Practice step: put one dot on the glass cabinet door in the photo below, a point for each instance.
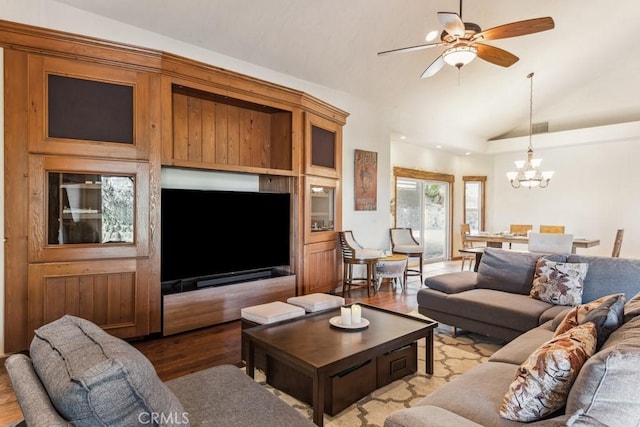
(322, 208)
(90, 208)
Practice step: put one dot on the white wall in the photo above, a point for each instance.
(595, 191)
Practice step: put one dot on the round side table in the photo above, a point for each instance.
(392, 267)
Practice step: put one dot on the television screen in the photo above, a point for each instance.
(207, 233)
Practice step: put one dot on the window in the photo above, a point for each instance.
(473, 203)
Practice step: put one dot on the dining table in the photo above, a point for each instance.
(497, 240)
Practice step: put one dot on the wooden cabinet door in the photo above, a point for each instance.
(113, 294)
(321, 267)
(323, 147)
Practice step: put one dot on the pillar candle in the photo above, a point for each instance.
(345, 315)
(356, 313)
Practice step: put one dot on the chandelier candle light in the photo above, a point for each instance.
(528, 174)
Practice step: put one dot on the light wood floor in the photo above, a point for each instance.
(192, 351)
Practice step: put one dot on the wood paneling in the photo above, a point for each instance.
(16, 105)
(209, 306)
(212, 133)
(112, 294)
(321, 267)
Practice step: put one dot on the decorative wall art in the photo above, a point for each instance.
(366, 180)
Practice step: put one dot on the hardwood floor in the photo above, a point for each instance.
(192, 351)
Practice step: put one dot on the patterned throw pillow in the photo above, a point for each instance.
(543, 381)
(559, 283)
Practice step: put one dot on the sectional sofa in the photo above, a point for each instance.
(590, 351)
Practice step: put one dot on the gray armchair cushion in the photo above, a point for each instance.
(36, 406)
(93, 378)
(509, 271)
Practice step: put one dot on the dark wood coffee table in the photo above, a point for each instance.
(312, 346)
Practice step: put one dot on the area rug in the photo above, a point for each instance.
(452, 357)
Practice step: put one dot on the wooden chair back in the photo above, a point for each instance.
(465, 230)
(348, 244)
(617, 244)
(558, 229)
(520, 229)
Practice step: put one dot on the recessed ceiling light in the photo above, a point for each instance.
(438, 146)
(403, 137)
(431, 35)
(467, 153)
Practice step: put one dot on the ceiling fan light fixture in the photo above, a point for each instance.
(459, 56)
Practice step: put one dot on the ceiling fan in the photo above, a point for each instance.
(463, 41)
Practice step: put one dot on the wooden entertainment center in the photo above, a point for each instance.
(172, 112)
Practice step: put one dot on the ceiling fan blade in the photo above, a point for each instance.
(495, 55)
(411, 48)
(451, 23)
(433, 68)
(516, 29)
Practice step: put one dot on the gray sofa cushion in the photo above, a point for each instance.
(606, 390)
(518, 350)
(518, 311)
(609, 276)
(226, 396)
(509, 271)
(93, 378)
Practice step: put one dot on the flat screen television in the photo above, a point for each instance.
(211, 237)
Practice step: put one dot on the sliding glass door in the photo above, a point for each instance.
(423, 205)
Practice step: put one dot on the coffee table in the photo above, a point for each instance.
(312, 346)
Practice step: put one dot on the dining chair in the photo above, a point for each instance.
(465, 230)
(617, 244)
(552, 243)
(559, 229)
(519, 230)
(403, 243)
(353, 253)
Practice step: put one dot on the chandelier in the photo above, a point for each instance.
(528, 174)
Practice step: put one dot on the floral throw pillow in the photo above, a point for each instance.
(559, 283)
(542, 383)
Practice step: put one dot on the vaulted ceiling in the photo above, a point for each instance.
(587, 69)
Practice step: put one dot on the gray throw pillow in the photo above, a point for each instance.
(632, 308)
(93, 378)
(607, 317)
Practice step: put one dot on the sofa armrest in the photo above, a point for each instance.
(426, 416)
(34, 401)
(452, 283)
